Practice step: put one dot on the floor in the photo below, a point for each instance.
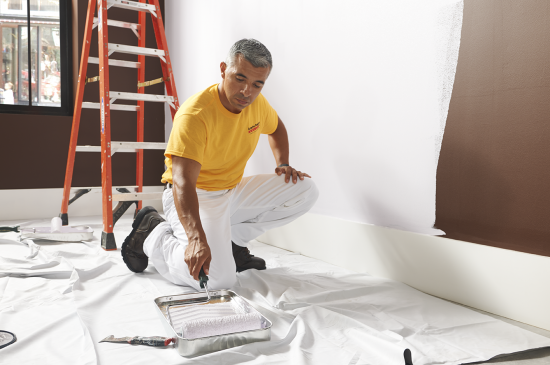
(321, 314)
(532, 357)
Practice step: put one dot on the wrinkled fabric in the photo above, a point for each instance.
(321, 314)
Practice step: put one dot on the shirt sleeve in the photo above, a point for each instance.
(271, 120)
(187, 139)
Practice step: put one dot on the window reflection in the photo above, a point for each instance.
(10, 60)
(44, 80)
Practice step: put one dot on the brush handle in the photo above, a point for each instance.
(11, 229)
(150, 341)
(203, 279)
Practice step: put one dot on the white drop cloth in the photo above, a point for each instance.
(321, 314)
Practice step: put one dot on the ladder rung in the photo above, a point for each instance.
(137, 196)
(140, 97)
(139, 145)
(119, 63)
(119, 24)
(130, 108)
(132, 5)
(123, 48)
(125, 147)
(97, 189)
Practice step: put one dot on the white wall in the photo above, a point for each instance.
(30, 204)
(362, 86)
(507, 283)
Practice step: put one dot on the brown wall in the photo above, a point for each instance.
(34, 148)
(493, 179)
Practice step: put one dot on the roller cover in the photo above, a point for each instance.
(207, 327)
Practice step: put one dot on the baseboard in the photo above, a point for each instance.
(29, 204)
(507, 283)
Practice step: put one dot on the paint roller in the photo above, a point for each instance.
(214, 319)
(56, 232)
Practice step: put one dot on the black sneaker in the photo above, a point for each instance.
(132, 248)
(244, 260)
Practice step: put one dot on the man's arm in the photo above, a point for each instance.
(185, 173)
(278, 141)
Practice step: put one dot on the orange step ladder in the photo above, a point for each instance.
(106, 102)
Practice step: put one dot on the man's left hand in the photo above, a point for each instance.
(290, 171)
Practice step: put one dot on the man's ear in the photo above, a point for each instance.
(223, 67)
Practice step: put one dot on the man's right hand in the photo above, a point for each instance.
(197, 256)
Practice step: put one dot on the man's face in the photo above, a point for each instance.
(242, 83)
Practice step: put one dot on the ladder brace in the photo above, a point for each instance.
(92, 79)
(152, 82)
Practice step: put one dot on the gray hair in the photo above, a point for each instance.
(253, 51)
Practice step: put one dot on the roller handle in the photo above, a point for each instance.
(203, 279)
(408, 357)
(150, 341)
(16, 229)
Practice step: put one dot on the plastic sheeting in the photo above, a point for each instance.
(61, 299)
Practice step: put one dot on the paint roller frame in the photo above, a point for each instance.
(194, 347)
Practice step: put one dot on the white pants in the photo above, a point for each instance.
(257, 204)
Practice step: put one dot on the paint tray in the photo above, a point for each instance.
(168, 305)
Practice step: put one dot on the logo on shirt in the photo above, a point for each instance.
(254, 128)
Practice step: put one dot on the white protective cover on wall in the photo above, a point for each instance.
(363, 88)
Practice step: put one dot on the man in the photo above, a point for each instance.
(211, 211)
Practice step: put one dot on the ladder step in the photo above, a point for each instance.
(132, 5)
(125, 147)
(137, 196)
(97, 189)
(119, 63)
(130, 108)
(123, 48)
(139, 145)
(139, 97)
(119, 24)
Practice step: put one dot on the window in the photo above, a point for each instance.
(35, 57)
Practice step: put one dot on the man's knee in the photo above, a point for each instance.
(311, 191)
(314, 191)
(304, 195)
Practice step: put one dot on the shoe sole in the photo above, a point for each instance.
(241, 269)
(124, 250)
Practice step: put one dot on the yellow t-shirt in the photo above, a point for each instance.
(221, 141)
